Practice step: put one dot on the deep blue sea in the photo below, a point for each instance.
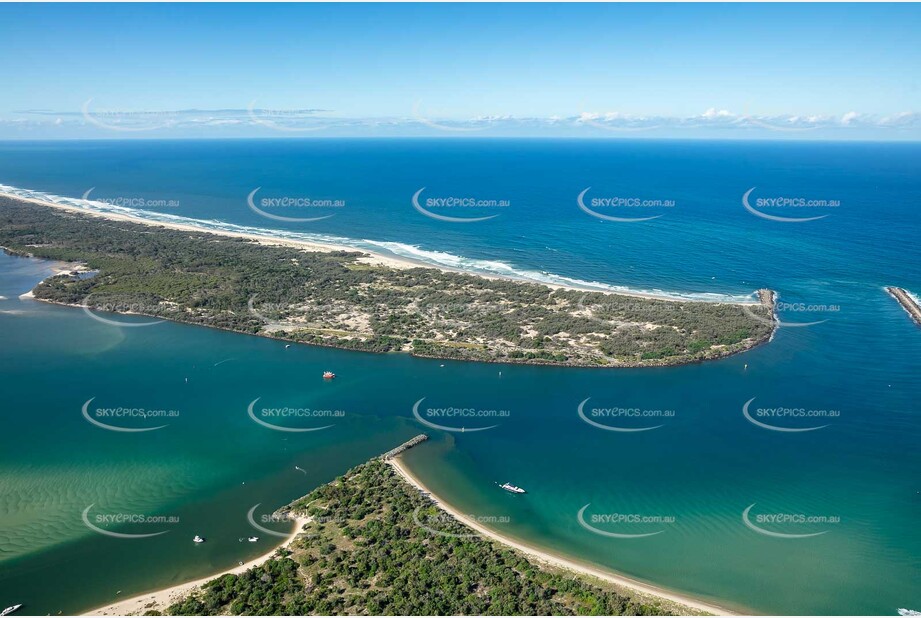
(854, 484)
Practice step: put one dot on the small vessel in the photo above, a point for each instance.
(512, 488)
(198, 539)
(287, 345)
(9, 610)
(902, 612)
(253, 539)
(328, 375)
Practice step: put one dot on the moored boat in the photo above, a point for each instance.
(198, 539)
(512, 488)
(9, 610)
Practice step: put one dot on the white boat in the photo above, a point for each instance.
(253, 539)
(902, 612)
(198, 539)
(512, 488)
(9, 610)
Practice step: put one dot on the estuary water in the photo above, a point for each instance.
(710, 499)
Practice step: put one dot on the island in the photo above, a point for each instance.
(321, 295)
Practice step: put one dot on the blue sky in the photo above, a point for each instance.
(659, 70)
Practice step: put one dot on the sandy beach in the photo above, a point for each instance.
(161, 599)
(371, 257)
(554, 560)
(59, 268)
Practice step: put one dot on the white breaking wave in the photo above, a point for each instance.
(397, 249)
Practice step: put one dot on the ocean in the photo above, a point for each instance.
(713, 501)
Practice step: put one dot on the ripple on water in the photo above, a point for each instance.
(42, 504)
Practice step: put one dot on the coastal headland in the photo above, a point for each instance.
(376, 541)
(909, 304)
(334, 296)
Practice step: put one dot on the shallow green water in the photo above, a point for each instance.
(703, 467)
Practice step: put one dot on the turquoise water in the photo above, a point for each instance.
(695, 475)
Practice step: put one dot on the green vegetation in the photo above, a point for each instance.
(336, 299)
(363, 553)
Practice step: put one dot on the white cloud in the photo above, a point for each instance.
(713, 113)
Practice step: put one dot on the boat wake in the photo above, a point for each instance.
(397, 249)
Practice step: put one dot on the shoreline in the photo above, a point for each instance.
(723, 354)
(764, 297)
(370, 257)
(163, 598)
(549, 558)
(75, 267)
(58, 269)
(908, 303)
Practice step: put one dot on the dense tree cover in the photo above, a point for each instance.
(364, 553)
(337, 299)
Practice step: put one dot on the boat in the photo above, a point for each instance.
(253, 539)
(328, 375)
(198, 539)
(512, 488)
(9, 610)
(902, 612)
